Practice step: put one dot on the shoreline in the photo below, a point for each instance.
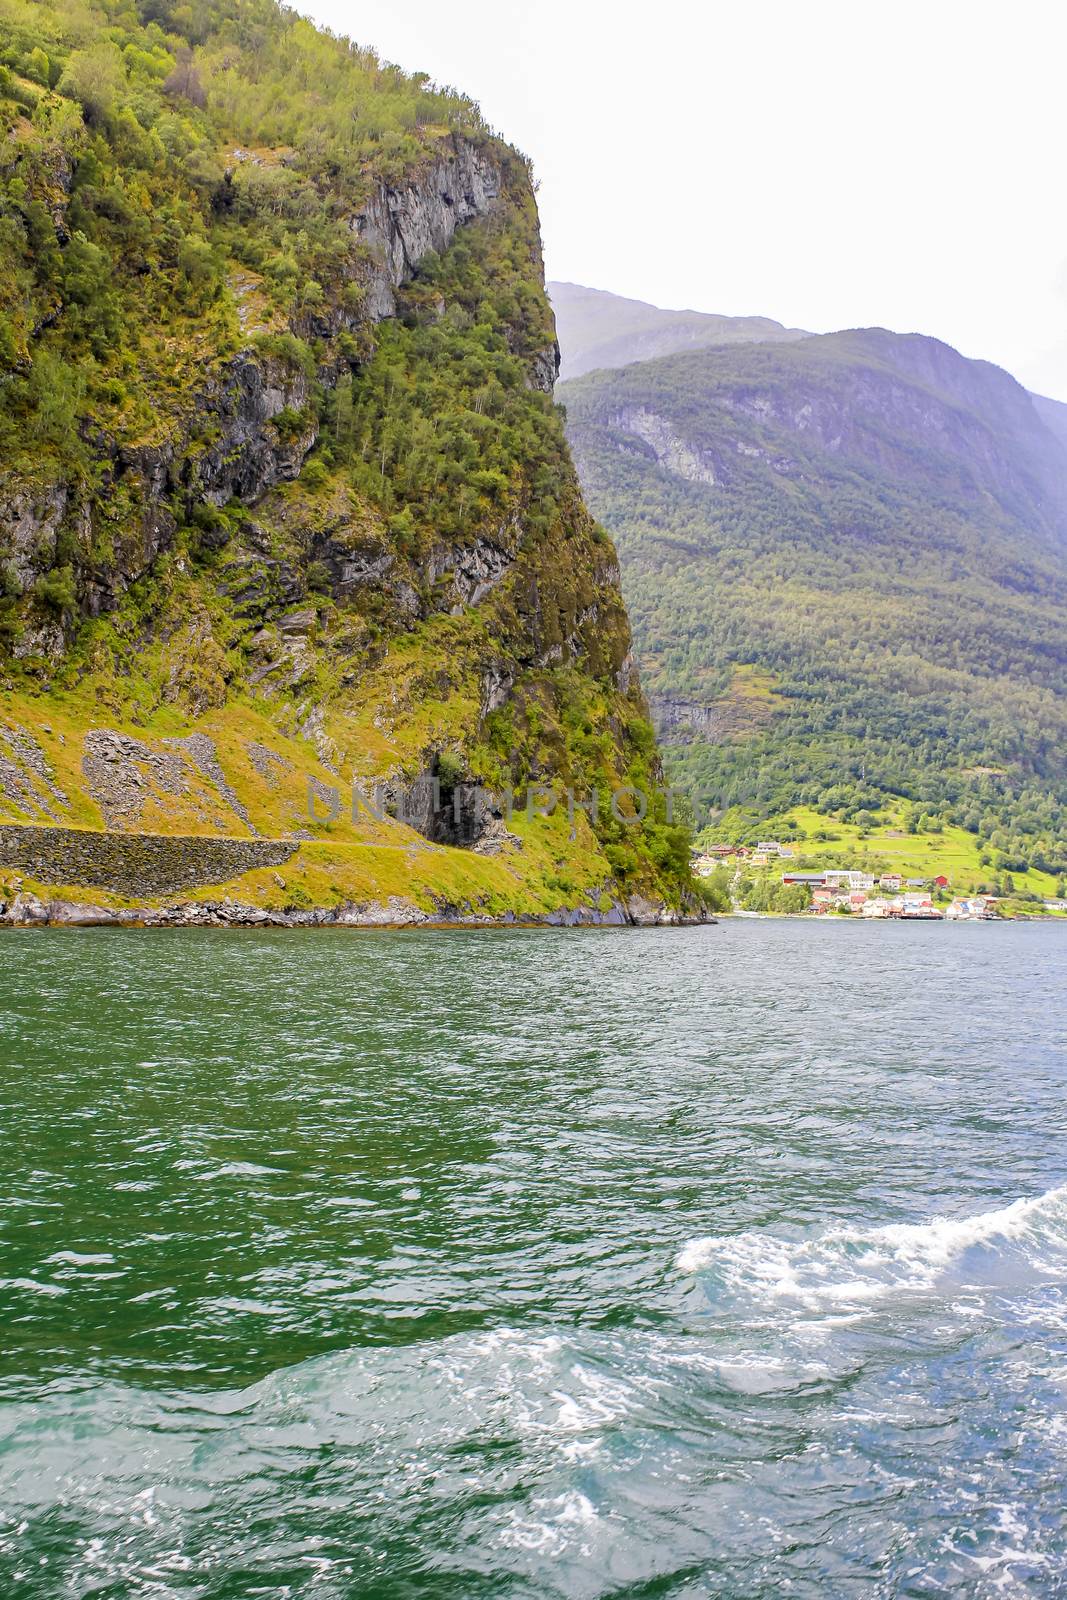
(30, 911)
(78, 877)
(808, 916)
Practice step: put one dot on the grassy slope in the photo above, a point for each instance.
(347, 858)
(884, 847)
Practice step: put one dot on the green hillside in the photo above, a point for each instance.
(846, 566)
(280, 463)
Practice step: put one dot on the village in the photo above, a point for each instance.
(852, 892)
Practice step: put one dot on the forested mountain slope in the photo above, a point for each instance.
(846, 565)
(282, 488)
(1053, 414)
(597, 329)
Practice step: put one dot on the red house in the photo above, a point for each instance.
(941, 882)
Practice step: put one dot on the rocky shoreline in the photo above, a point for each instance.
(27, 910)
(158, 876)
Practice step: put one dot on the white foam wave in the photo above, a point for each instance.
(32, 1286)
(235, 1169)
(73, 1258)
(850, 1266)
(551, 1524)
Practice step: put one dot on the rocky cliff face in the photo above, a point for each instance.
(292, 454)
(226, 444)
(402, 225)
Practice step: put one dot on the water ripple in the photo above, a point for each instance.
(728, 1262)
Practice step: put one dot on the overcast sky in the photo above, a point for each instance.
(830, 164)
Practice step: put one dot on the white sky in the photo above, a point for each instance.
(827, 163)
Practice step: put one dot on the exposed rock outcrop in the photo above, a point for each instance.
(27, 910)
(401, 225)
(123, 773)
(31, 519)
(201, 751)
(672, 451)
(251, 425)
(26, 779)
(250, 455)
(474, 570)
(678, 720)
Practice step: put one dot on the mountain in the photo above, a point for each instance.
(597, 329)
(1053, 414)
(284, 500)
(846, 564)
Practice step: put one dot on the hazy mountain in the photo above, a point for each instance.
(846, 565)
(597, 329)
(1053, 414)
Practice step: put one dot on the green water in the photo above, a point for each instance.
(710, 1262)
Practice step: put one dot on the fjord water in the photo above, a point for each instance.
(709, 1262)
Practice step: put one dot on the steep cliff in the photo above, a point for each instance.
(283, 494)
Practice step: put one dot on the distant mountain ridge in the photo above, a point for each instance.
(845, 558)
(598, 329)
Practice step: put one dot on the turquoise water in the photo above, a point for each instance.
(711, 1262)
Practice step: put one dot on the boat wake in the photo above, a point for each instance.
(845, 1267)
